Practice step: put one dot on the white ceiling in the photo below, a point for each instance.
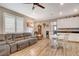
(51, 10)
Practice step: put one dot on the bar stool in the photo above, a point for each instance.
(65, 44)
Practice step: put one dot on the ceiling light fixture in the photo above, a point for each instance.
(75, 10)
(61, 4)
(60, 13)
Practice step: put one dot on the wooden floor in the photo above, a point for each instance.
(43, 48)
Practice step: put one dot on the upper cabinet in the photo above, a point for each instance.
(9, 23)
(68, 23)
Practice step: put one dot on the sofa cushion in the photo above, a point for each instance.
(2, 37)
(27, 35)
(9, 38)
(22, 44)
(18, 37)
(32, 41)
(4, 50)
(2, 42)
(13, 47)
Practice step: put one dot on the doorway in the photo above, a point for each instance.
(47, 34)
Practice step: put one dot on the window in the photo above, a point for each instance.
(9, 21)
(29, 30)
(19, 25)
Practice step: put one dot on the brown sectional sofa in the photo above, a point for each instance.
(32, 39)
(10, 43)
(21, 42)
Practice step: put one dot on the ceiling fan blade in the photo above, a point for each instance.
(27, 3)
(39, 5)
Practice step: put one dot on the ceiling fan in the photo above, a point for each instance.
(36, 4)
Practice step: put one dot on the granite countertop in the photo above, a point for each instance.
(73, 41)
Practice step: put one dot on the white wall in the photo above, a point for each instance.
(1, 23)
(30, 28)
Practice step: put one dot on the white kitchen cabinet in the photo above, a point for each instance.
(68, 22)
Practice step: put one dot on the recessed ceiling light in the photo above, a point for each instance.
(75, 10)
(60, 13)
(61, 4)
